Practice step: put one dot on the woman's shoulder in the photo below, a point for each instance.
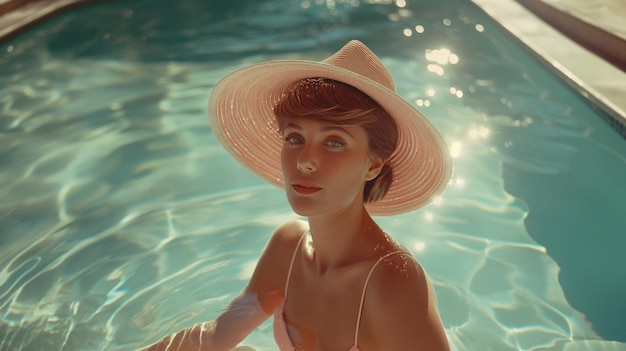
(399, 270)
(288, 234)
(394, 264)
(273, 265)
(401, 293)
(398, 282)
(283, 243)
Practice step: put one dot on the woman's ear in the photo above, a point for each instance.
(376, 165)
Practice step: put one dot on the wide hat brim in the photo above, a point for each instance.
(242, 119)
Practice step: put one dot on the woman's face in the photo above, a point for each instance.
(325, 166)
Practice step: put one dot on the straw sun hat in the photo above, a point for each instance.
(242, 119)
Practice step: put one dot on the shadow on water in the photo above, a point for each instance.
(566, 163)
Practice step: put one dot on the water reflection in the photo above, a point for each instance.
(440, 57)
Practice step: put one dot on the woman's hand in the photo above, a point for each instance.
(241, 316)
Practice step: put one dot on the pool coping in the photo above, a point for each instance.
(600, 31)
(590, 73)
(18, 16)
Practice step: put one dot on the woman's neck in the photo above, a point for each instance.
(342, 239)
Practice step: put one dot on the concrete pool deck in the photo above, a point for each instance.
(584, 41)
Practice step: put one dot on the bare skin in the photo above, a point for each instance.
(325, 170)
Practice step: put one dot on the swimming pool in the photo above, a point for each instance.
(122, 218)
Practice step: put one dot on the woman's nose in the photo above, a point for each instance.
(307, 160)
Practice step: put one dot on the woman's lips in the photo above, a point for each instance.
(305, 189)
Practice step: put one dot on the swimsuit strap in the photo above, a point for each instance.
(293, 258)
(367, 280)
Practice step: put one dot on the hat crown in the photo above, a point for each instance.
(358, 58)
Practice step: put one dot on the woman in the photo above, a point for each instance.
(344, 146)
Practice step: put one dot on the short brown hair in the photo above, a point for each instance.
(334, 102)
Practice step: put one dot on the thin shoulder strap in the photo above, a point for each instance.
(293, 258)
(367, 280)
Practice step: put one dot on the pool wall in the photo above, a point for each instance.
(590, 73)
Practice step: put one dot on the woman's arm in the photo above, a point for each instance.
(241, 316)
(248, 310)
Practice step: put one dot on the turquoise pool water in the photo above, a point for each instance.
(122, 219)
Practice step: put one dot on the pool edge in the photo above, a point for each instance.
(21, 15)
(591, 75)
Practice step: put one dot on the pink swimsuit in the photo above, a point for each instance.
(281, 333)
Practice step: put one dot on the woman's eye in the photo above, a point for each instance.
(335, 143)
(293, 139)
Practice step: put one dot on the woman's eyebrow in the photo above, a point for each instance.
(324, 129)
(293, 126)
(336, 128)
